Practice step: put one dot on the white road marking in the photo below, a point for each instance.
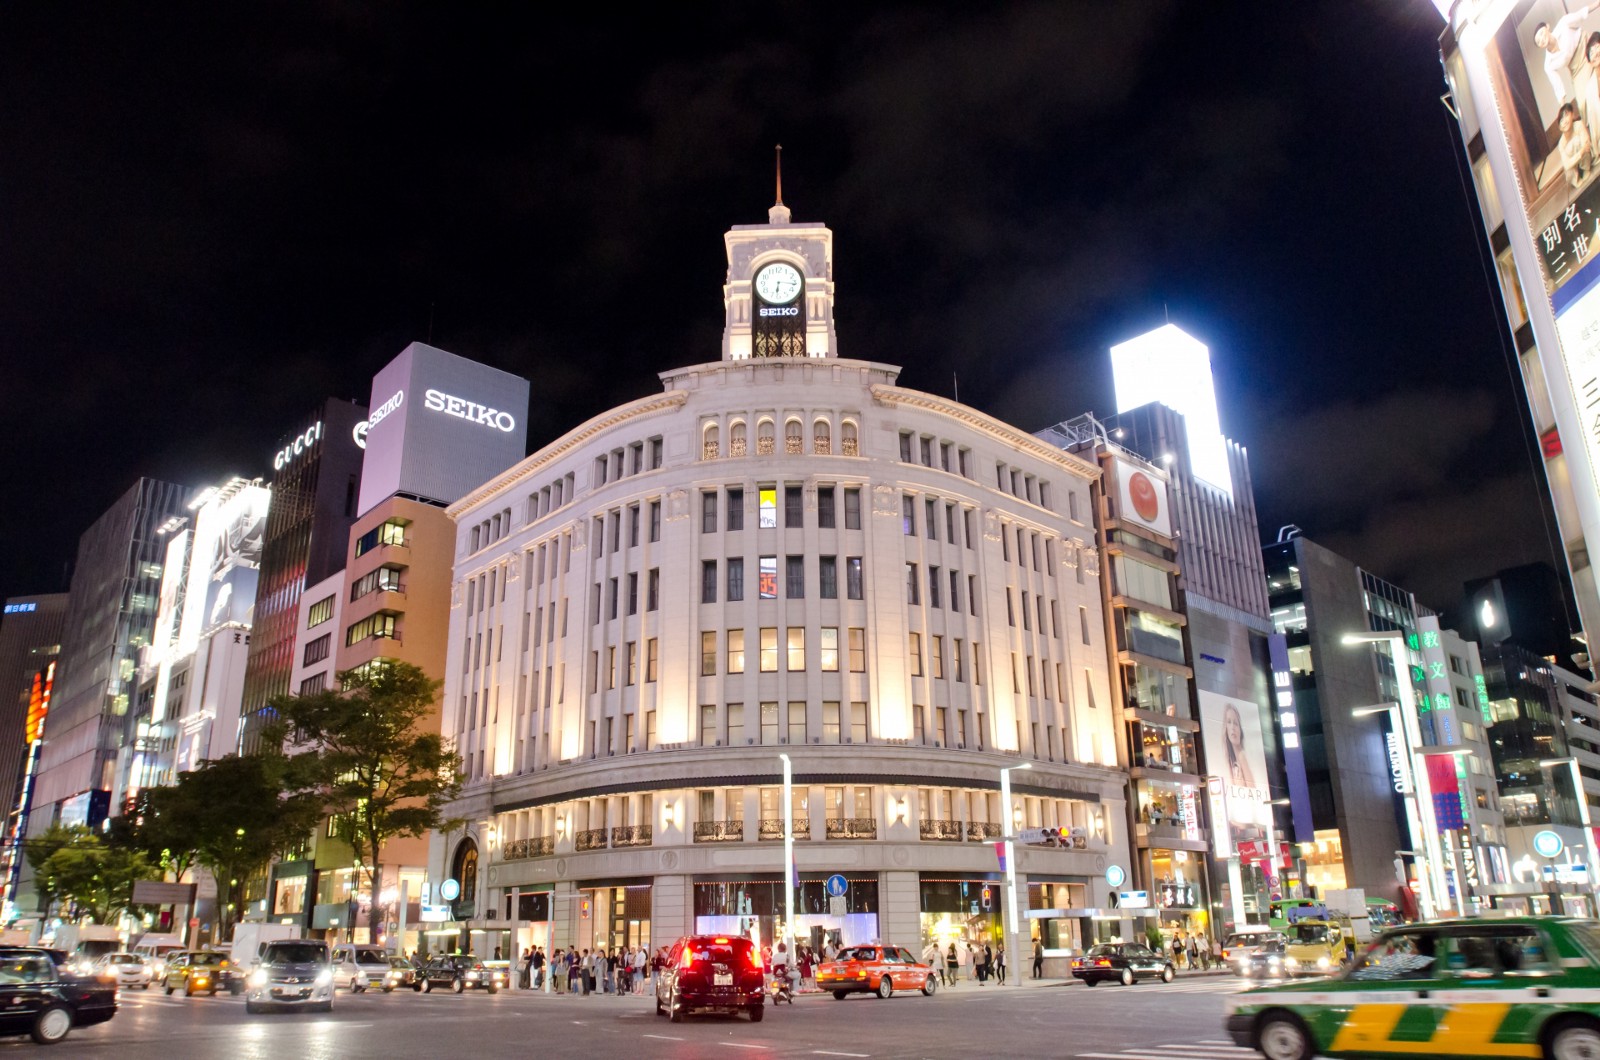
(664, 1037)
(743, 1045)
(830, 1052)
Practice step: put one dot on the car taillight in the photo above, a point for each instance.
(1224, 954)
(687, 960)
(755, 958)
(1102, 963)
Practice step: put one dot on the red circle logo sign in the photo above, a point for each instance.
(1146, 502)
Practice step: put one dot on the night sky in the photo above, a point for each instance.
(213, 217)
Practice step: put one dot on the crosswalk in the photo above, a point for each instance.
(1210, 1049)
(1209, 984)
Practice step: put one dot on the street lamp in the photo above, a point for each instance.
(1583, 812)
(1009, 928)
(788, 852)
(1422, 821)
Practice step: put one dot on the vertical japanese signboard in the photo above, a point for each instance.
(1294, 758)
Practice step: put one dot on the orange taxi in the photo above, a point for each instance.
(876, 969)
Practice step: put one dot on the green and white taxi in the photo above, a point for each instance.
(1494, 987)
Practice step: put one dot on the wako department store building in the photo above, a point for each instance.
(782, 552)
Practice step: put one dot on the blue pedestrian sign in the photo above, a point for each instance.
(837, 885)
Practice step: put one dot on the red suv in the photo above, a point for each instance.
(711, 972)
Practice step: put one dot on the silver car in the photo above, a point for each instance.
(128, 969)
(292, 973)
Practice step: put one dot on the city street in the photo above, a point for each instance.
(1180, 1021)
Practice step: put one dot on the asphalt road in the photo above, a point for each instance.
(1151, 1021)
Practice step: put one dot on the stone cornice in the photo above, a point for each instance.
(1003, 433)
(562, 446)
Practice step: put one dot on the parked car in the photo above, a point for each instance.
(401, 972)
(712, 973)
(358, 967)
(199, 972)
(292, 973)
(458, 972)
(37, 998)
(1122, 962)
(124, 969)
(875, 969)
(1518, 986)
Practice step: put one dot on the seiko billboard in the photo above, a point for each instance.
(441, 425)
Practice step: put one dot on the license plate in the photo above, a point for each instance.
(722, 979)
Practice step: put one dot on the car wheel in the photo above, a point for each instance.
(885, 987)
(388, 989)
(838, 995)
(1282, 1037)
(674, 1013)
(169, 989)
(427, 986)
(51, 1025)
(1574, 1040)
(252, 1008)
(758, 1012)
(492, 989)
(1090, 982)
(326, 1006)
(659, 1010)
(929, 986)
(458, 986)
(1127, 977)
(1167, 974)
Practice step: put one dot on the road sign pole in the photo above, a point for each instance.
(1008, 924)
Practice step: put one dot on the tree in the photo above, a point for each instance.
(374, 758)
(232, 815)
(158, 826)
(73, 864)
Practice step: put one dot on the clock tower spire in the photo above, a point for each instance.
(778, 298)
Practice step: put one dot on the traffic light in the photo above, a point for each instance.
(987, 897)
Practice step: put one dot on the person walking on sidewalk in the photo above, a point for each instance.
(1000, 964)
(1038, 959)
(953, 964)
(935, 960)
(1194, 953)
(1177, 949)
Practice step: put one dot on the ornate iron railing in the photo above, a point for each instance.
(719, 831)
(536, 847)
(852, 828)
(631, 835)
(772, 828)
(590, 839)
(944, 831)
(977, 831)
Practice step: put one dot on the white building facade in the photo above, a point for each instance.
(783, 552)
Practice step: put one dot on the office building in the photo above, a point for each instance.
(782, 553)
(111, 616)
(316, 478)
(1368, 805)
(30, 641)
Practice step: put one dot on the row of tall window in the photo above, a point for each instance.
(624, 591)
(628, 460)
(1027, 487)
(935, 452)
(794, 578)
(731, 501)
(639, 520)
(621, 665)
(780, 723)
(955, 516)
(546, 499)
(390, 532)
(380, 625)
(965, 660)
(791, 650)
(794, 438)
(491, 530)
(935, 584)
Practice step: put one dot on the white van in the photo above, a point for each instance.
(357, 966)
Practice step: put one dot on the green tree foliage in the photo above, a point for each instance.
(73, 865)
(372, 754)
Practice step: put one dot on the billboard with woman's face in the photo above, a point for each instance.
(1231, 733)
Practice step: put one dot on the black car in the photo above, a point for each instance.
(401, 973)
(37, 998)
(459, 972)
(1122, 962)
(711, 972)
(1267, 962)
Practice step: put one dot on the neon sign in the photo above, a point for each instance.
(301, 442)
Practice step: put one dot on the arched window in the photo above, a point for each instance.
(736, 439)
(709, 451)
(821, 438)
(847, 439)
(793, 438)
(764, 439)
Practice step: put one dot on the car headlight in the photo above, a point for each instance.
(472, 975)
(258, 977)
(325, 977)
(1292, 962)
(1323, 962)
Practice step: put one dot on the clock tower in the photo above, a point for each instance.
(778, 297)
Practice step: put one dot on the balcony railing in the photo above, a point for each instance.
(709, 451)
(719, 831)
(978, 831)
(852, 828)
(943, 831)
(536, 847)
(772, 828)
(590, 839)
(631, 835)
(737, 447)
(847, 447)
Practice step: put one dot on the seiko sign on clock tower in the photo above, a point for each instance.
(779, 294)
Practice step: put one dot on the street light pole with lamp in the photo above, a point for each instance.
(1583, 817)
(1009, 928)
(788, 853)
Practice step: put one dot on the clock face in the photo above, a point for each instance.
(778, 283)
